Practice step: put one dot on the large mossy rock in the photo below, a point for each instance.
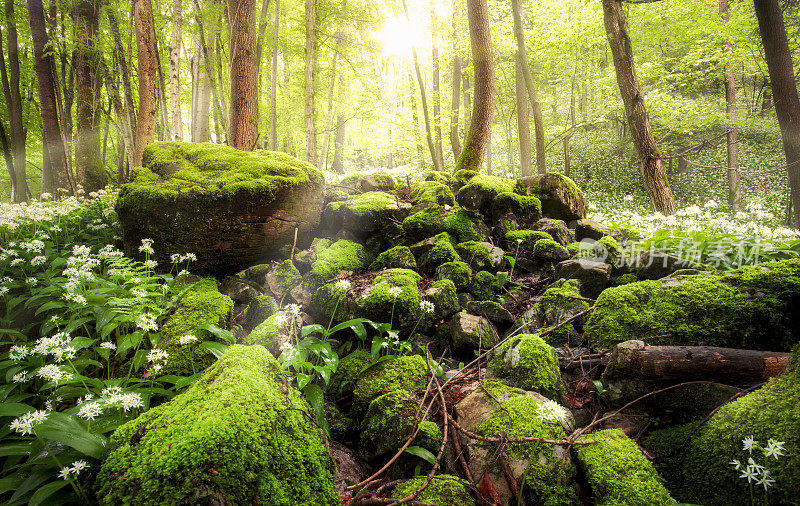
(481, 190)
(366, 213)
(530, 364)
(443, 490)
(231, 208)
(752, 307)
(561, 199)
(239, 435)
(697, 461)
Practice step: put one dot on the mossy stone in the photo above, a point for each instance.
(457, 272)
(378, 304)
(397, 257)
(511, 210)
(432, 192)
(343, 380)
(403, 374)
(444, 490)
(548, 250)
(530, 364)
(389, 422)
(441, 252)
(462, 224)
(261, 308)
(485, 286)
(340, 256)
(481, 190)
(438, 176)
(560, 196)
(217, 443)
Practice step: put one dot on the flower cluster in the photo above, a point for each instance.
(77, 467)
(26, 423)
(111, 397)
(551, 412)
(754, 472)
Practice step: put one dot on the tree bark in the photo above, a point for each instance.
(332, 87)
(538, 122)
(55, 179)
(124, 128)
(734, 183)
(437, 95)
(338, 150)
(480, 127)
(11, 90)
(146, 50)
(175, 68)
(455, 103)
(243, 109)
(201, 94)
(415, 118)
(273, 96)
(523, 120)
(650, 164)
(784, 93)
(310, 73)
(124, 65)
(207, 70)
(88, 83)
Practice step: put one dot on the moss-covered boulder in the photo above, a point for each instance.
(557, 229)
(282, 278)
(481, 190)
(438, 176)
(457, 272)
(229, 207)
(404, 310)
(343, 380)
(443, 490)
(432, 192)
(444, 297)
(471, 332)
(590, 229)
(435, 251)
(618, 473)
(277, 331)
(512, 211)
(217, 443)
(460, 223)
(399, 257)
(525, 239)
(329, 262)
(366, 213)
(485, 286)
(751, 307)
(259, 309)
(378, 181)
(594, 276)
(481, 255)
(561, 199)
(545, 471)
(548, 251)
(530, 364)
(492, 310)
(462, 177)
(560, 302)
(388, 423)
(698, 463)
(202, 304)
(406, 374)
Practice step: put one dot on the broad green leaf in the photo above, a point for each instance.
(46, 491)
(216, 349)
(422, 453)
(66, 429)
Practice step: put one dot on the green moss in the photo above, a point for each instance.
(377, 302)
(474, 252)
(698, 468)
(397, 257)
(444, 297)
(618, 472)
(530, 364)
(266, 334)
(442, 252)
(369, 203)
(261, 308)
(457, 272)
(485, 286)
(433, 192)
(462, 177)
(444, 490)
(352, 180)
(574, 248)
(341, 427)
(441, 177)
(481, 190)
(747, 308)
(496, 185)
(347, 373)
(548, 249)
(525, 209)
(403, 374)
(201, 305)
(547, 479)
(528, 237)
(288, 276)
(341, 256)
(389, 422)
(462, 224)
(624, 279)
(217, 443)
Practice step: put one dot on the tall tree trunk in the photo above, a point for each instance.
(650, 164)
(165, 132)
(11, 90)
(538, 122)
(329, 116)
(124, 127)
(465, 87)
(480, 127)
(437, 96)
(734, 183)
(244, 68)
(455, 103)
(523, 120)
(201, 94)
(428, 134)
(220, 120)
(415, 119)
(338, 150)
(273, 95)
(310, 73)
(784, 93)
(88, 79)
(146, 50)
(55, 179)
(175, 68)
(124, 65)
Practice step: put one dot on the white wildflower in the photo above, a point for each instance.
(147, 246)
(157, 355)
(53, 373)
(147, 322)
(427, 306)
(20, 377)
(774, 449)
(18, 352)
(188, 338)
(108, 345)
(90, 410)
(343, 284)
(25, 424)
(748, 444)
(150, 264)
(395, 291)
(551, 411)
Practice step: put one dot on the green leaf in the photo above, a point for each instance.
(348, 324)
(216, 349)
(14, 409)
(46, 491)
(422, 453)
(16, 448)
(222, 334)
(310, 329)
(66, 429)
(53, 304)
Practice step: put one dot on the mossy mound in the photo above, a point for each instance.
(441, 177)
(751, 308)
(432, 192)
(403, 374)
(444, 490)
(618, 472)
(457, 272)
(340, 256)
(485, 286)
(343, 380)
(511, 210)
(561, 199)
(548, 250)
(378, 304)
(398, 257)
(435, 251)
(697, 463)
(560, 302)
(283, 278)
(274, 332)
(530, 364)
(202, 304)
(462, 224)
(261, 308)
(481, 190)
(229, 207)
(481, 255)
(388, 424)
(217, 443)
(369, 212)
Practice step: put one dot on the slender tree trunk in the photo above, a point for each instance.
(538, 122)
(201, 94)
(437, 96)
(273, 96)
(244, 69)
(165, 132)
(88, 147)
(220, 118)
(415, 118)
(784, 93)
(467, 102)
(523, 121)
(310, 73)
(650, 164)
(338, 149)
(55, 179)
(329, 116)
(175, 69)
(8, 157)
(455, 103)
(734, 183)
(489, 162)
(480, 127)
(429, 135)
(148, 68)
(11, 90)
(124, 128)
(124, 65)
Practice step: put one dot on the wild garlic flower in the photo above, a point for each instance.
(150, 264)
(343, 284)
(139, 293)
(77, 467)
(395, 291)
(748, 444)
(20, 377)
(90, 410)
(427, 306)
(54, 373)
(38, 260)
(147, 246)
(157, 355)
(18, 352)
(26, 423)
(774, 449)
(293, 310)
(147, 322)
(188, 338)
(551, 411)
